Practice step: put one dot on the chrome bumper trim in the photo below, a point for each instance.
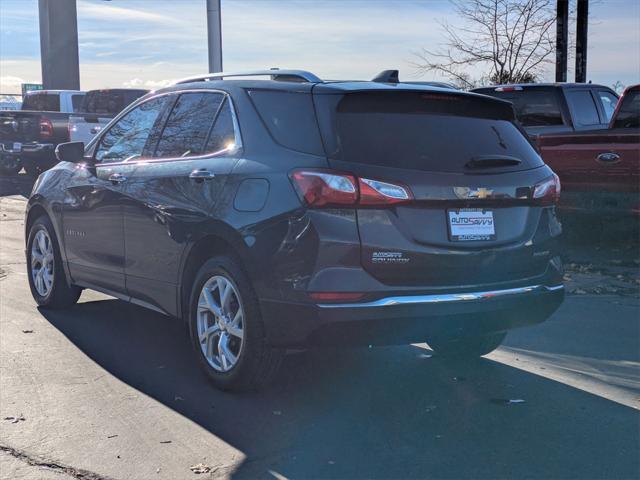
(445, 298)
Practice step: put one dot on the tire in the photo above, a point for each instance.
(52, 289)
(468, 347)
(249, 363)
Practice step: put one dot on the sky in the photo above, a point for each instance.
(151, 42)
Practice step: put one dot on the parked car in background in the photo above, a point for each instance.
(29, 136)
(97, 109)
(600, 169)
(270, 214)
(543, 108)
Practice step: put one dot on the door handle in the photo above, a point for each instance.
(117, 178)
(201, 174)
(608, 157)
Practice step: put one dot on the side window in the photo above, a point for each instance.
(187, 129)
(609, 101)
(583, 107)
(290, 119)
(629, 112)
(76, 102)
(222, 135)
(127, 138)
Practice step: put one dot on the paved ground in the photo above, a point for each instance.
(109, 390)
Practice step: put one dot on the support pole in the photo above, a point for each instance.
(214, 34)
(59, 44)
(582, 24)
(562, 39)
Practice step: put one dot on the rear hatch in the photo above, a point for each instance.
(471, 174)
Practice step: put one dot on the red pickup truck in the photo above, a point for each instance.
(600, 169)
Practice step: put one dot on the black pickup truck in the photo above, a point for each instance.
(28, 137)
(544, 108)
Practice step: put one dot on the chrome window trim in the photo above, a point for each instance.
(236, 131)
(445, 298)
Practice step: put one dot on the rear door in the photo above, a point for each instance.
(173, 193)
(471, 172)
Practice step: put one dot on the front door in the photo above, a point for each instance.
(93, 209)
(173, 193)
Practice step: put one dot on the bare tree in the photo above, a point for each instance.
(509, 40)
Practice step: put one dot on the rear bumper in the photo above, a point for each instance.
(411, 318)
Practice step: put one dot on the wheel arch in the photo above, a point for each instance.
(35, 210)
(203, 249)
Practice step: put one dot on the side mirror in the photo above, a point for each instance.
(71, 152)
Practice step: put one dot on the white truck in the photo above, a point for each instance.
(97, 109)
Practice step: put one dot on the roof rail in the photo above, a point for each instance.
(274, 73)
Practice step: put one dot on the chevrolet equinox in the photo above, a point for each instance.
(278, 213)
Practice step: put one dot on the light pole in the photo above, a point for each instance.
(214, 35)
(59, 44)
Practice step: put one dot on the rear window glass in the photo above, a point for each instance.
(439, 134)
(76, 102)
(534, 107)
(629, 113)
(583, 107)
(290, 119)
(609, 102)
(109, 102)
(46, 102)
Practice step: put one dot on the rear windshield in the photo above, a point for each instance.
(629, 114)
(534, 107)
(420, 132)
(45, 102)
(109, 102)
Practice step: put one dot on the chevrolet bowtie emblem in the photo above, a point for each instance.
(466, 192)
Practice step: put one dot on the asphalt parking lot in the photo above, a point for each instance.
(108, 390)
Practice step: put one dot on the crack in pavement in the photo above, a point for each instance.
(34, 461)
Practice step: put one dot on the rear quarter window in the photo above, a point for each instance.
(289, 118)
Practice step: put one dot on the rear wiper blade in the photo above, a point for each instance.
(490, 161)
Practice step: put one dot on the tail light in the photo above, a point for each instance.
(46, 128)
(547, 192)
(327, 188)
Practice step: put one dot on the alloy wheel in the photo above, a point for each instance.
(42, 263)
(220, 323)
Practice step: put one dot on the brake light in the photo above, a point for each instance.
(547, 192)
(508, 89)
(326, 188)
(323, 188)
(46, 128)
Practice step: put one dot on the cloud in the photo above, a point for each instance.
(102, 12)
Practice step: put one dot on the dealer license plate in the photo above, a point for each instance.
(471, 224)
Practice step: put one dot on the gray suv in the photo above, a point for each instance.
(291, 211)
